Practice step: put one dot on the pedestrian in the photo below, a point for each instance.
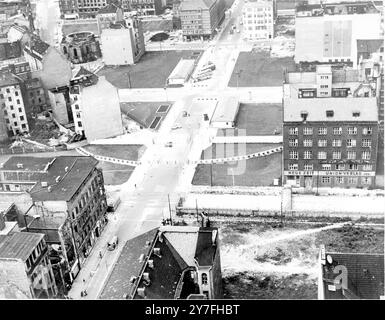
(81, 293)
(100, 255)
(135, 185)
(84, 280)
(85, 292)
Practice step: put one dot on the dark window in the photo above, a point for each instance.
(204, 278)
(329, 113)
(1, 96)
(17, 101)
(16, 93)
(356, 114)
(24, 126)
(9, 99)
(7, 90)
(20, 110)
(22, 118)
(13, 115)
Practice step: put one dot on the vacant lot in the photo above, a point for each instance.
(126, 152)
(256, 119)
(253, 172)
(258, 69)
(271, 261)
(115, 174)
(151, 71)
(144, 113)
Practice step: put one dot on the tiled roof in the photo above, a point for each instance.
(118, 283)
(343, 109)
(365, 275)
(206, 246)
(39, 45)
(369, 45)
(110, 8)
(185, 243)
(19, 245)
(7, 79)
(10, 50)
(78, 168)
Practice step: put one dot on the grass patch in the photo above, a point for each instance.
(152, 70)
(260, 70)
(256, 119)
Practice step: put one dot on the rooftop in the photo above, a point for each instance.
(338, 76)
(110, 8)
(226, 110)
(343, 109)
(19, 245)
(196, 4)
(355, 7)
(7, 79)
(365, 275)
(38, 46)
(183, 69)
(71, 170)
(10, 50)
(369, 45)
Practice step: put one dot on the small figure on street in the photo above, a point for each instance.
(85, 292)
(100, 255)
(135, 185)
(84, 281)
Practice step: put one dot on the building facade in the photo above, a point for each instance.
(12, 105)
(258, 19)
(330, 32)
(81, 8)
(330, 131)
(201, 18)
(25, 269)
(69, 201)
(108, 15)
(35, 96)
(144, 7)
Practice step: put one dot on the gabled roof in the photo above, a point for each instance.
(19, 245)
(36, 47)
(365, 276)
(80, 72)
(109, 8)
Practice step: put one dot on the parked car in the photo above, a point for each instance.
(177, 126)
(113, 243)
(168, 144)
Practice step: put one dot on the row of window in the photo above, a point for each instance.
(84, 199)
(328, 166)
(350, 180)
(336, 155)
(324, 131)
(35, 253)
(335, 143)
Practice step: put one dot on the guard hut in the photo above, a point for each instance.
(225, 113)
(181, 73)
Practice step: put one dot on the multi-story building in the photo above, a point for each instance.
(144, 7)
(123, 43)
(81, 47)
(201, 18)
(12, 104)
(175, 262)
(69, 201)
(258, 19)
(330, 130)
(35, 96)
(329, 33)
(108, 15)
(81, 8)
(25, 269)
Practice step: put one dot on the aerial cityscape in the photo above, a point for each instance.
(192, 149)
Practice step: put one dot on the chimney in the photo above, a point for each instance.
(20, 166)
(157, 252)
(141, 258)
(146, 276)
(151, 264)
(142, 292)
(44, 184)
(57, 179)
(66, 169)
(132, 279)
(49, 189)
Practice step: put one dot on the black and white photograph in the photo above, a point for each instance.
(170, 151)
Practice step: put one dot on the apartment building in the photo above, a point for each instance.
(330, 130)
(201, 18)
(328, 33)
(25, 269)
(82, 8)
(69, 201)
(169, 262)
(144, 7)
(123, 43)
(110, 14)
(258, 18)
(12, 104)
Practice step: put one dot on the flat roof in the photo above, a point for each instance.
(183, 69)
(343, 109)
(19, 245)
(226, 110)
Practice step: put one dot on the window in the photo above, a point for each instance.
(7, 90)
(329, 113)
(326, 166)
(293, 166)
(308, 155)
(293, 131)
(356, 114)
(308, 167)
(293, 154)
(351, 143)
(336, 155)
(322, 131)
(9, 99)
(307, 143)
(367, 130)
(293, 142)
(366, 142)
(340, 166)
(352, 155)
(322, 155)
(22, 118)
(353, 166)
(204, 278)
(322, 143)
(339, 180)
(366, 180)
(325, 180)
(352, 180)
(307, 131)
(17, 101)
(337, 143)
(16, 93)
(324, 86)
(352, 130)
(337, 130)
(79, 124)
(365, 155)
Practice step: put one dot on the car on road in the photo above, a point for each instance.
(168, 144)
(177, 126)
(113, 243)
